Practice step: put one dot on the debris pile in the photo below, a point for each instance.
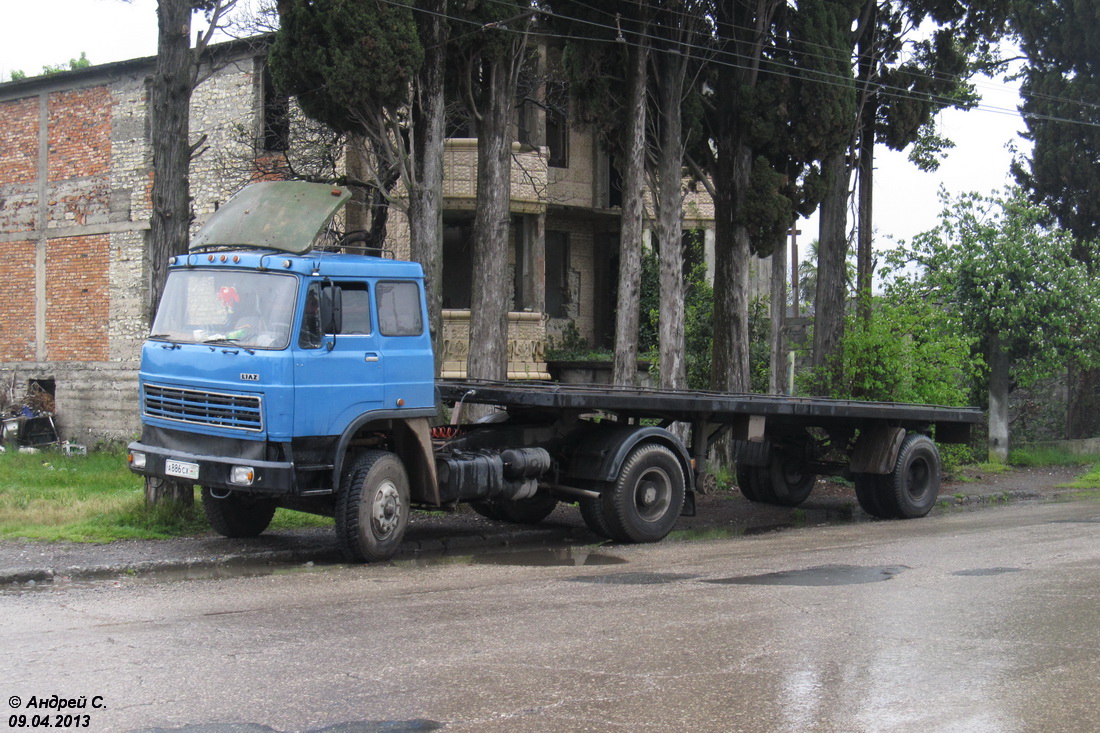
(28, 420)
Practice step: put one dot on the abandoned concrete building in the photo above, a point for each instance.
(75, 190)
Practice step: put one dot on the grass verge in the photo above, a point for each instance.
(50, 496)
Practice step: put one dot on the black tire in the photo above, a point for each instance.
(746, 482)
(643, 503)
(372, 510)
(911, 490)
(528, 511)
(787, 484)
(237, 515)
(593, 516)
(531, 510)
(487, 509)
(869, 489)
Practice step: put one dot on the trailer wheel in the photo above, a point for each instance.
(869, 489)
(786, 483)
(372, 510)
(645, 500)
(237, 515)
(746, 482)
(911, 490)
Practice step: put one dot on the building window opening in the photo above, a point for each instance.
(557, 274)
(276, 120)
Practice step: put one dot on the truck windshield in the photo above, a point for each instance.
(249, 309)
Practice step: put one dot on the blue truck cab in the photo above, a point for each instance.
(270, 363)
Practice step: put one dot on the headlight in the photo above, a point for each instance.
(137, 460)
(241, 475)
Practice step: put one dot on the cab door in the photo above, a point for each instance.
(338, 366)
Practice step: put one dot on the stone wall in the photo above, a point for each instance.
(75, 202)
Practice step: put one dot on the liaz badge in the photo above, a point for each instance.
(250, 377)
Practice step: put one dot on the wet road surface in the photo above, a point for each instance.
(965, 621)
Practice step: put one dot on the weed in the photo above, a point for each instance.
(49, 496)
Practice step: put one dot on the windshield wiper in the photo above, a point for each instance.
(228, 341)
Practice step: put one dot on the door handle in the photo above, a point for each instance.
(372, 356)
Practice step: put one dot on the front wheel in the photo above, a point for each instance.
(372, 510)
(645, 500)
(237, 515)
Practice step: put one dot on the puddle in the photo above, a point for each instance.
(633, 578)
(550, 557)
(419, 725)
(138, 576)
(977, 572)
(823, 575)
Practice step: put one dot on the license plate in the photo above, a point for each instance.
(182, 469)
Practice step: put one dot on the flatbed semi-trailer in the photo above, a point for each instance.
(278, 375)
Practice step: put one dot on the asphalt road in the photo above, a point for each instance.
(963, 621)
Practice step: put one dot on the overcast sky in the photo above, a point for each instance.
(34, 33)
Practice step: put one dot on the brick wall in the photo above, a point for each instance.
(79, 133)
(77, 299)
(16, 294)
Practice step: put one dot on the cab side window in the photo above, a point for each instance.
(399, 309)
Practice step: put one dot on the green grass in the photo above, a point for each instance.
(1088, 480)
(1040, 457)
(49, 496)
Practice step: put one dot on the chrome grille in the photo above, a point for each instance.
(217, 409)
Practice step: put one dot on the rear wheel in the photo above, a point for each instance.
(869, 487)
(645, 500)
(788, 484)
(746, 482)
(593, 516)
(911, 490)
(372, 510)
(237, 515)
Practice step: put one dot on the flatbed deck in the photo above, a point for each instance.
(711, 407)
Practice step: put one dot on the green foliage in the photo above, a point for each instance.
(51, 69)
(994, 268)
(907, 352)
(348, 63)
(1061, 104)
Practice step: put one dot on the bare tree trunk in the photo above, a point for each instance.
(670, 214)
(868, 117)
(426, 193)
(625, 370)
(778, 363)
(998, 361)
(170, 116)
(832, 279)
(864, 244)
(730, 362)
(491, 285)
(173, 81)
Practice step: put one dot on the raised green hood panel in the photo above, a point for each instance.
(282, 215)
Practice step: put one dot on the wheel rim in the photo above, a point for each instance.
(653, 495)
(918, 480)
(385, 514)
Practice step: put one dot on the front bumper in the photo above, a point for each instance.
(268, 477)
